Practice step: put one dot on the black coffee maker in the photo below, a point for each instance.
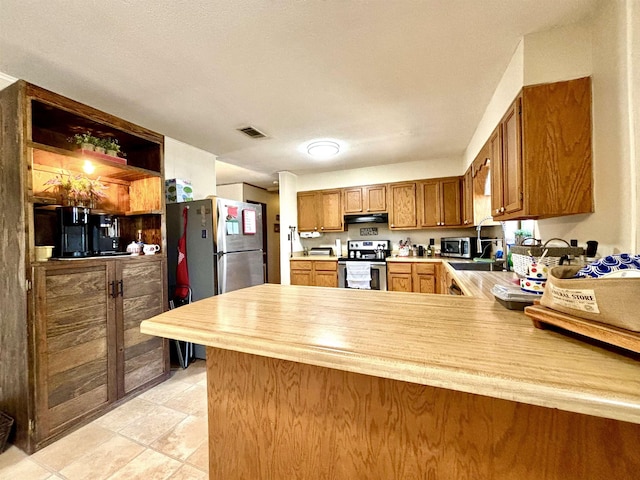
(73, 239)
(105, 234)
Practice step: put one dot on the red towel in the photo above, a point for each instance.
(182, 272)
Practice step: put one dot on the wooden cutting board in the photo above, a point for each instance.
(543, 316)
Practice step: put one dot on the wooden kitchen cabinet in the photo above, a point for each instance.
(424, 277)
(144, 358)
(75, 345)
(468, 217)
(541, 153)
(399, 277)
(417, 277)
(320, 211)
(315, 273)
(366, 199)
(70, 349)
(403, 213)
(440, 202)
(89, 348)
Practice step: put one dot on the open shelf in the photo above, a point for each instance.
(73, 161)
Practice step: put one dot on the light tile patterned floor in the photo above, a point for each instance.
(161, 434)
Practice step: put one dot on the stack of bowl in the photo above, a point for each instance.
(536, 278)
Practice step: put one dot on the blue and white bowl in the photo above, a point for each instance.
(609, 264)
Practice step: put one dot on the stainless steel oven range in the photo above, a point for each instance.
(365, 265)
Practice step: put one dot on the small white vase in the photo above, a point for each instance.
(100, 150)
(87, 146)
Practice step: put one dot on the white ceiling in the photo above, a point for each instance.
(395, 80)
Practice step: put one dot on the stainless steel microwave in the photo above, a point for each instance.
(459, 247)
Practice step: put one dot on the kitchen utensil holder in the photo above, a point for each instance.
(521, 255)
(6, 422)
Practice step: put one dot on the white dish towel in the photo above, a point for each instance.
(359, 275)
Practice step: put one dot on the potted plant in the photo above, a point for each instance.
(77, 189)
(85, 140)
(101, 145)
(521, 235)
(112, 146)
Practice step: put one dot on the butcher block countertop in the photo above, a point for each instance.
(465, 344)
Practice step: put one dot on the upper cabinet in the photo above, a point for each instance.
(403, 214)
(366, 199)
(440, 202)
(476, 205)
(541, 153)
(320, 211)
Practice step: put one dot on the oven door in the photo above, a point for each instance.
(378, 275)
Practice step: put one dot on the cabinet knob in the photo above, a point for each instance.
(501, 209)
(392, 225)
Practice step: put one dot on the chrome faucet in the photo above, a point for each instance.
(478, 228)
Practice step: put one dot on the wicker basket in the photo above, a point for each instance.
(6, 422)
(521, 255)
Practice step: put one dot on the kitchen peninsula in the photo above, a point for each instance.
(311, 382)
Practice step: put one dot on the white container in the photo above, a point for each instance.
(338, 247)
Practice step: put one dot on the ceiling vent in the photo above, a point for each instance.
(252, 132)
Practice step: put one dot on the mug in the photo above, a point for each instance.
(150, 248)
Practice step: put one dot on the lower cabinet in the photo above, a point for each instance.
(317, 273)
(418, 277)
(88, 349)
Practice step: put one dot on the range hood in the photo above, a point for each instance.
(367, 218)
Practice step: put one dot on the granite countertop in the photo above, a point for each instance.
(459, 343)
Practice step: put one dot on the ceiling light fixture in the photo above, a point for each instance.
(323, 149)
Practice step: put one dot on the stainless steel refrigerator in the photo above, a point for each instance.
(223, 248)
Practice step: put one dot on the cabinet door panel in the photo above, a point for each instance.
(402, 210)
(425, 284)
(467, 198)
(495, 149)
(142, 297)
(74, 322)
(331, 205)
(376, 198)
(430, 204)
(301, 277)
(307, 212)
(326, 279)
(353, 200)
(450, 202)
(400, 282)
(512, 160)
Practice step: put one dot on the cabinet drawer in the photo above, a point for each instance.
(393, 267)
(326, 266)
(300, 264)
(425, 268)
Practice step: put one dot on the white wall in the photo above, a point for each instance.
(190, 163)
(288, 217)
(559, 54)
(6, 80)
(634, 86)
(615, 221)
(508, 87)
(232, 191)
(432, 168)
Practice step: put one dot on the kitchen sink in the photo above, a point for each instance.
(478, 266)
